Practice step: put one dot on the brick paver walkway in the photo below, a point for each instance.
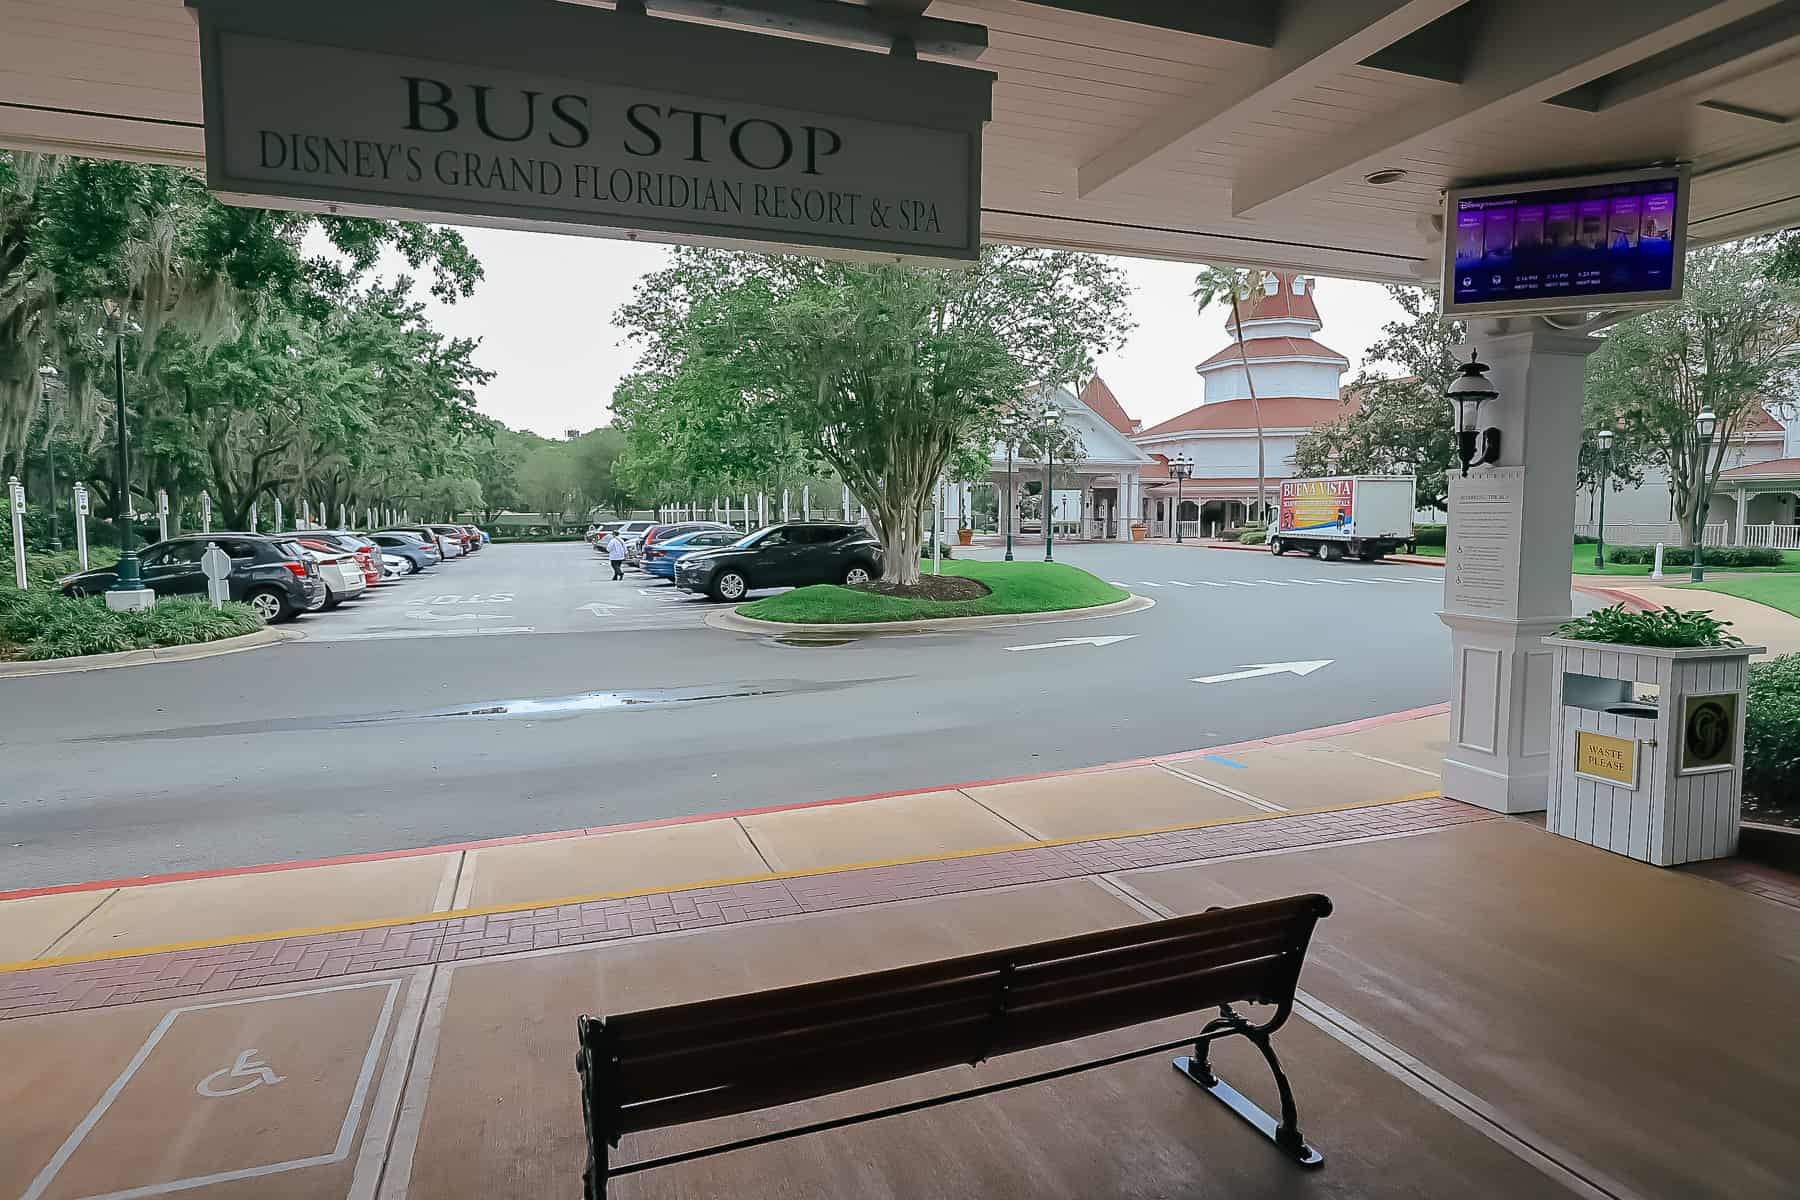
(125, 980)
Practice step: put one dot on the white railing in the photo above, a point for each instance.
(1774, 537)
(1625, 534)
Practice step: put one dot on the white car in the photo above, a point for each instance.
(342, 576)
(392, 566)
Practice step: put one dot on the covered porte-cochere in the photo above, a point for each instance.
(1489, 1011)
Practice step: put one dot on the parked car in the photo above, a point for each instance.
(344, 543)
(341, 574)
(631, 533)
(445, 547)
(793, 554)
(269, 573)
(657, 533)
(660, 559)
(410, 548)
(452, 536)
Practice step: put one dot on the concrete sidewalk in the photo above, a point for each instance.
(1472, 1021)
(1370, 762)
(1757, 624)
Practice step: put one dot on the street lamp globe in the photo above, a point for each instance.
(1604, 439)
(1705, 423)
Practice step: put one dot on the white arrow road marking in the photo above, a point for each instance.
(1086, 641)
(1255, 670)
(601, 610)
(421, 614)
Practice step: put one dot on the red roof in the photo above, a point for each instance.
(1157, 470)
(1278, 412)
(1097, 396)
(1282, 306)
(1775, 468)
(1274, 347)
(1759, 421)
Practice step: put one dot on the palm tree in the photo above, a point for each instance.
(1214, 284)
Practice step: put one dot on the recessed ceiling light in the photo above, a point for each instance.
(1385, 176)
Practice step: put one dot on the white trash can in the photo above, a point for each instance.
(1650, 748)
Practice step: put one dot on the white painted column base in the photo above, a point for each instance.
(1499, 752)
(134, 600)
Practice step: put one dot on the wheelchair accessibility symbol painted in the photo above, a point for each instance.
(253, 1073)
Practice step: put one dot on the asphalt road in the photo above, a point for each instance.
(522, 690)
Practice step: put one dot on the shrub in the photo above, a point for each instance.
(72, 627)
(48, 625)
(1681, 556)
(1670, 627)
(1431, 535)
(43, 570)
(184, 622)
(925, 548)
(1253, 534)
(1772, 730)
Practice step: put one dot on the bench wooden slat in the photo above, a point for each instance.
(723, 1057)
(645, 1023)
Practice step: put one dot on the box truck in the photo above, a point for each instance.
(1362, 515)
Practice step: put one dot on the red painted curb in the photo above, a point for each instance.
(663, 822)
(1636, 603)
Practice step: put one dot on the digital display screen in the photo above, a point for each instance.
(1544, 245)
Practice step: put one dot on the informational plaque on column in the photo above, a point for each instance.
(1482, 559)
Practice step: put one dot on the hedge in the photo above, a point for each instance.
(1253, 534)
(1772, 731)
(1430, 535)
(1680, 556)
(48, 625)
(43, 570)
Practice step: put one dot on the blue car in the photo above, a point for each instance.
(661, 557)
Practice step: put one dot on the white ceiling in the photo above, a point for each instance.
(1200, 131)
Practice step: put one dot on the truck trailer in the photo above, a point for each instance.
(1366, 516)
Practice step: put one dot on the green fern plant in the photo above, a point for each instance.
(1669, 627)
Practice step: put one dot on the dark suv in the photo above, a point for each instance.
(270, 574)
(791, 555)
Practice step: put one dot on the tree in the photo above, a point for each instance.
(882, 371)
(1730, 345)
(1401, 423)
(1213, 285)
(548, 482)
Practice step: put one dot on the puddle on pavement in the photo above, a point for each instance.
(533, 707)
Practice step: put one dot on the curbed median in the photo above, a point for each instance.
(736, 622)
(147, 655)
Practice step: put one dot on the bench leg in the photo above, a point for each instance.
(1286, 1133)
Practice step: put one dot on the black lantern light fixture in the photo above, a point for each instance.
(1467, 393)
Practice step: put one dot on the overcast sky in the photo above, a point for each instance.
(544, 319)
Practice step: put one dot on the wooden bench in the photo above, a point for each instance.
(691, 1062)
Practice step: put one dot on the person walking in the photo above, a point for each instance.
(615, 554)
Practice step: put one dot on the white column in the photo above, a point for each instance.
(1506, 577)
(1122, 506)
(1743, 501)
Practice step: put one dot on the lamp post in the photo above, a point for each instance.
(1181, 466)
(48, 373)
(1009, 426)
(130, 576)
(1052, 422)
(1603, 439)
(1704, 425)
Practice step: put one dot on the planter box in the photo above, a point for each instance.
(965, 536)
(1649, 746)
(1138, 533)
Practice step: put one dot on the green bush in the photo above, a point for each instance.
(47, 625)
(1681, 556)
(1253, 535)
(1430, 535)
(43, 570)
(1772, 730)
(186, 621)
(1669, 627)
